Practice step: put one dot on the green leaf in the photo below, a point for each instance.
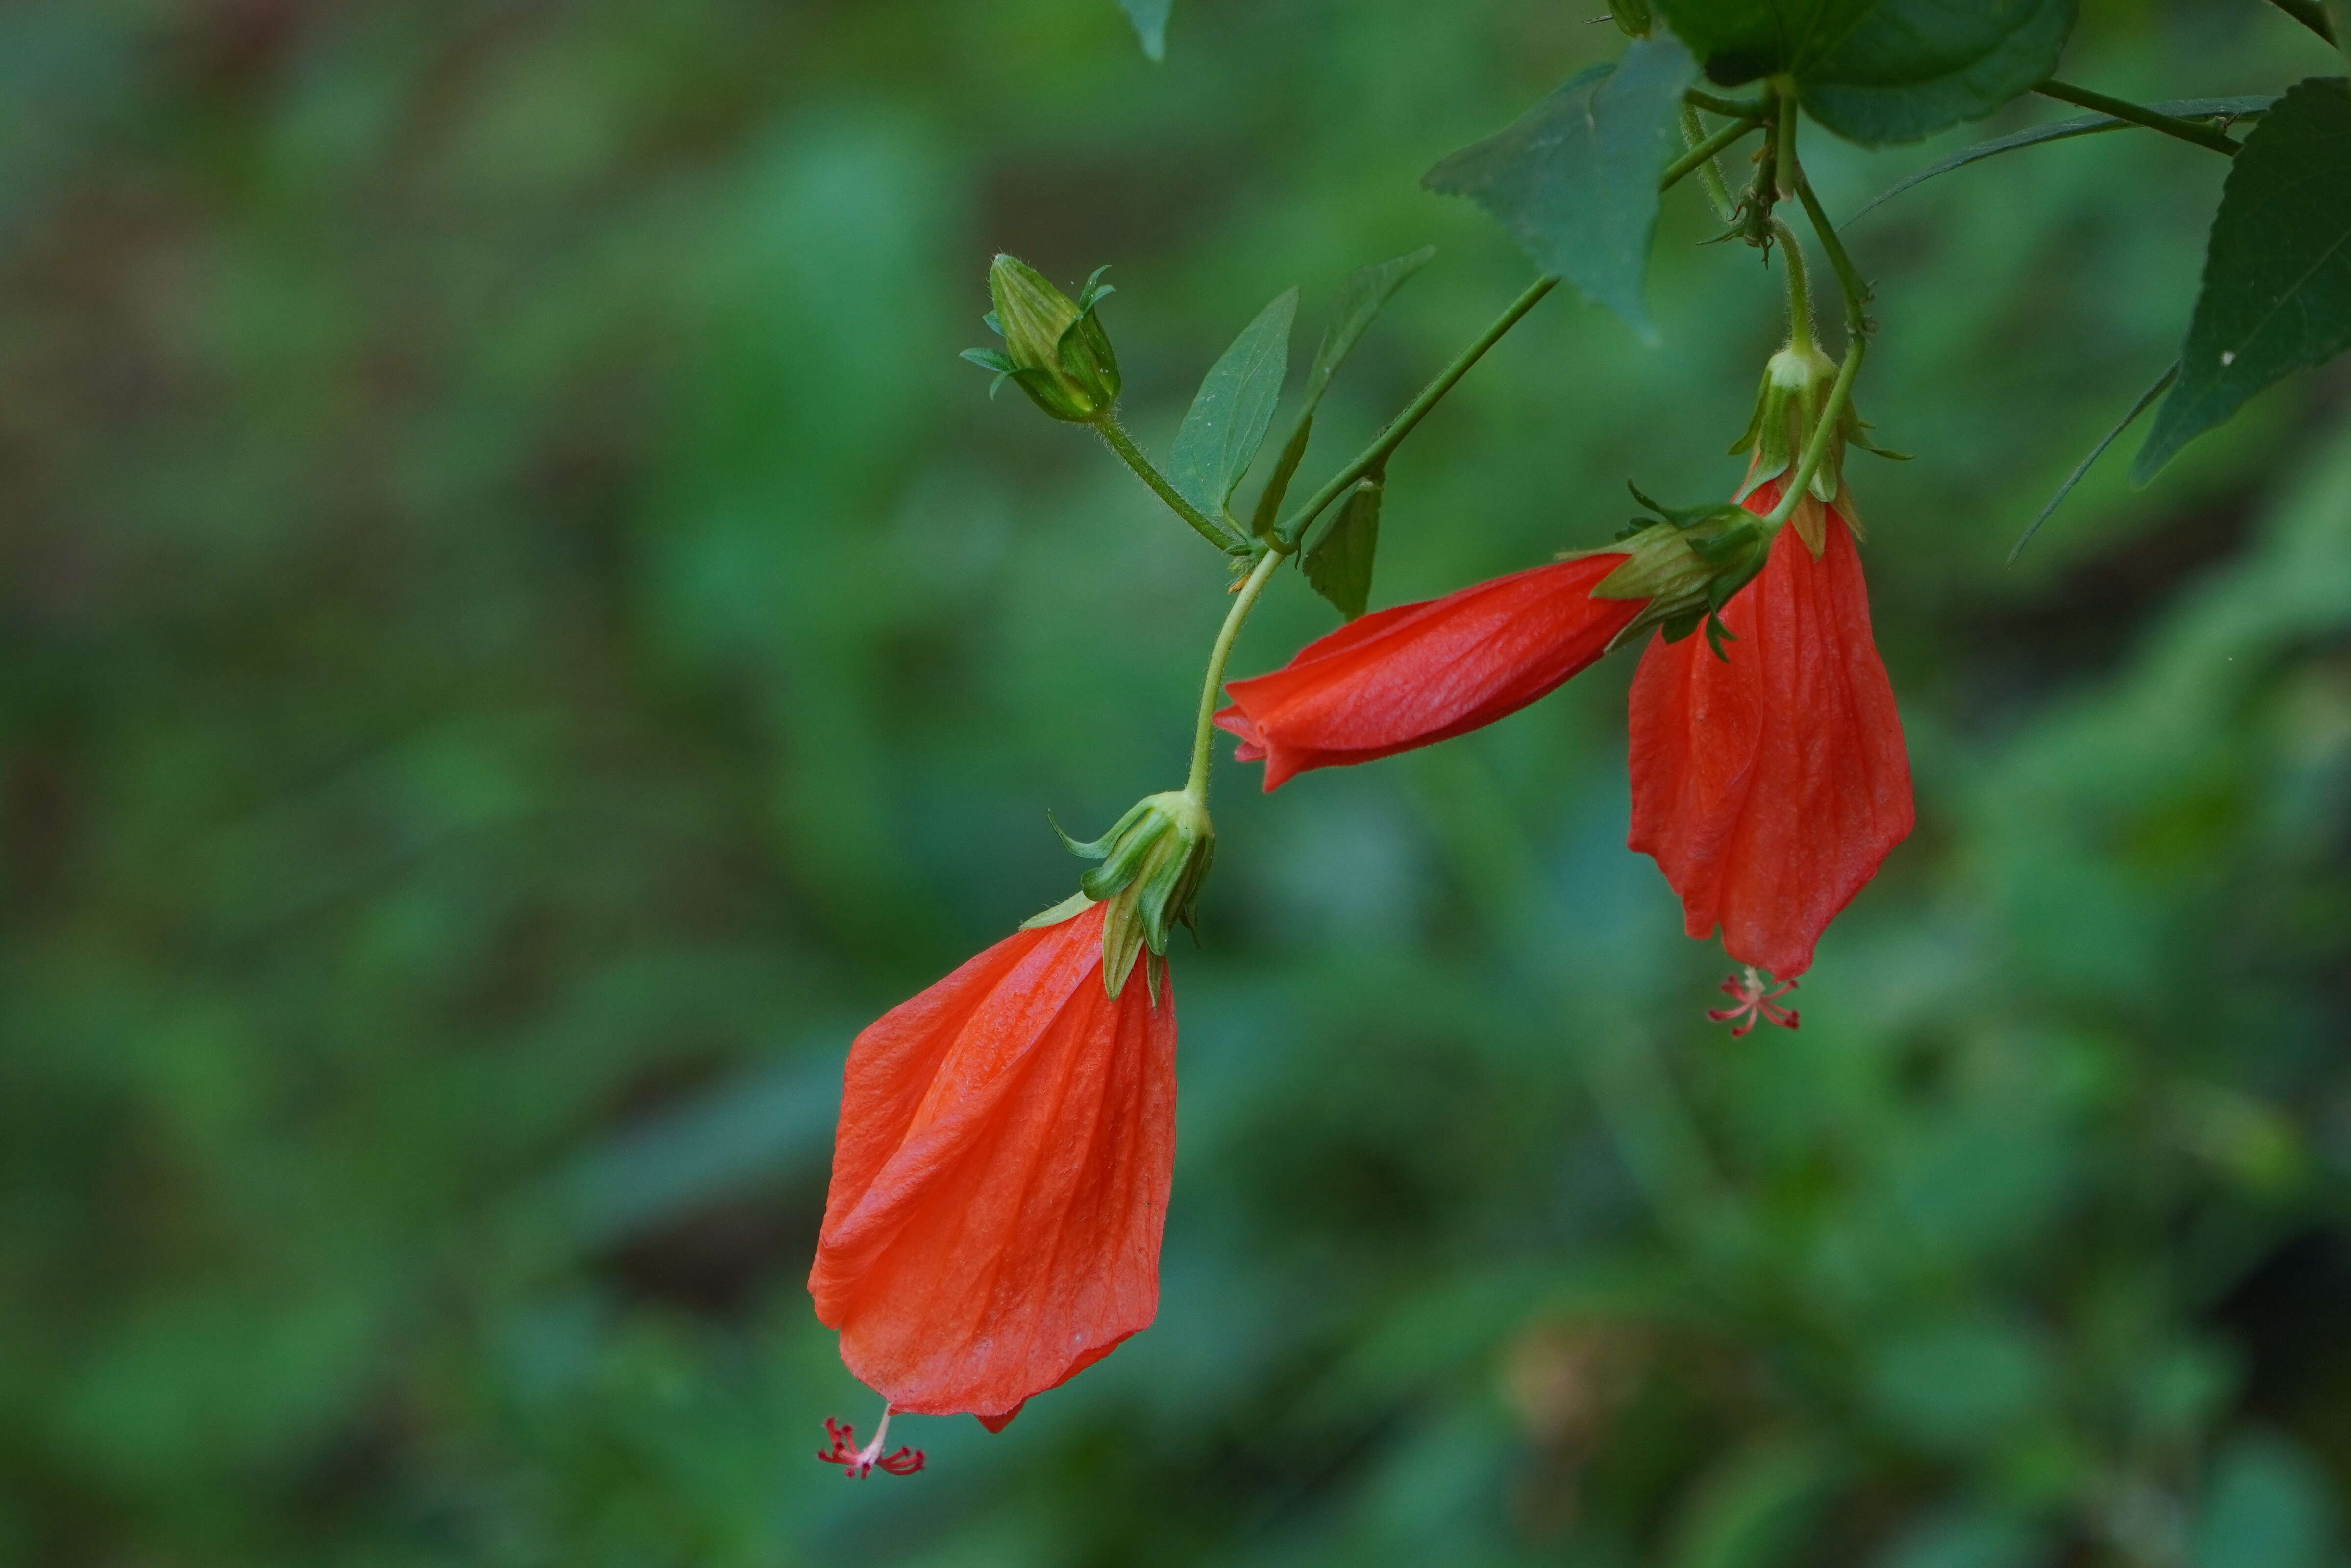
(1575, 180)
(1877, 71)
(2277, 271)
(2145, 401)
(1150, 19)
(1361, 299)
(1339, 565)
(1233, 409)
(2083, 125)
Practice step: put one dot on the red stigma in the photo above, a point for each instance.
(857, 1463)
(1754, 1001)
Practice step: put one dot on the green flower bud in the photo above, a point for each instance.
(1154, 860)
(1054, 346)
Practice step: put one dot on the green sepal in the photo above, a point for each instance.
(1070, 908)
(1154, 860)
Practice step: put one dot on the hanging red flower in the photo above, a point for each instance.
(1415, 674)
(1770, 782)
(1000, 1176)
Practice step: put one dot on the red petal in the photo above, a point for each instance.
(1000, 1179)
(1418, 673)
(1770, 788)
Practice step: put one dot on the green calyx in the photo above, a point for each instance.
(1787, 408)
(1154, 860)
(1054, 346)
(1687, 561)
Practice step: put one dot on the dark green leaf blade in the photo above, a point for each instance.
(1339, 565)
(1575, 180)
(1233, 409)
(1879, 72)
(2277, 272)
(2145, 401)
(2245, 108)
(1361, 299)
(1150, 19)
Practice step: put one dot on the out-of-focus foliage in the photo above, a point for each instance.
(520, 636)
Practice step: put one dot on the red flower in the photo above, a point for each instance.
(1000, 1178)
(1421, 673)
(1771, 782)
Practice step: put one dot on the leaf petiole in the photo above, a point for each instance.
(2138, 114)
(1115, 435)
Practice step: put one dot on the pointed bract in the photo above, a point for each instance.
(999, 1177)
(1418, 673)
(1771, 781)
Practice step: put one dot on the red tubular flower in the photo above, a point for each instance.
(1771, 782)
(1000, 1178)
(1418, 674)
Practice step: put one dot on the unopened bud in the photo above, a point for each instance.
(1054, 346)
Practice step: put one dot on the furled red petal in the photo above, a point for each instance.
(1770, 787)
(1417, 673)
(1000, 1179)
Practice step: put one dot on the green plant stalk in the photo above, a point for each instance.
(1286, 537)
(1738, 109)
(1856, 347)
(1709, 173)
(1800, 293)
(1784, 132)
(2123, 108)
(1849, 282)
(1204, 731)
(2310, 15)
(1115, 434)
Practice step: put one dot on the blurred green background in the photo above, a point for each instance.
(521, 636)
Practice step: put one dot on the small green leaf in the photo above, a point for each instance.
(1150, 19)
(1877, 71)
(1233, 409)
(1339, 565)
(1575, 180)
(2082, 125)
(2277, 270)
(2145, 401)
(1361, 299)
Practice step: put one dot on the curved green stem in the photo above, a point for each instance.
(1204, 732)
(1286, 537)
(1415, 411)
(2138, 114)
(1124, 445)
(1849, 281)
(1783, 131)
(1739, 109)
(1709, 173)
(1702, 155)
(1800, 293)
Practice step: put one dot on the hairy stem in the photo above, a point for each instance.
(1800, 293)
(1849, 282)
(1204, 732)
(1709, 173)
(2138, 114)
(1124, 445)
